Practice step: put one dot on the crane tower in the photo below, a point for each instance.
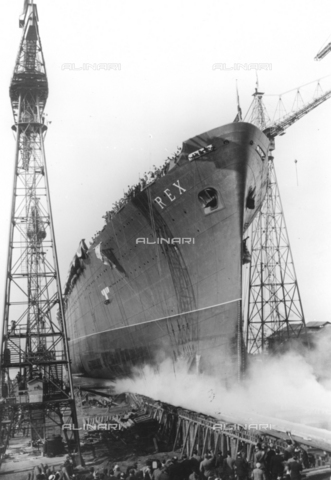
(275, 313)
(35, 365)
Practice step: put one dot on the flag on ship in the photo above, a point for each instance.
(102, 257)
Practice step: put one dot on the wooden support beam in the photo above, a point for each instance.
(194, 439)
(205, 440)
(186, 426)
(177, 433)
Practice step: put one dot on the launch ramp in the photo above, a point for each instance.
(189, 431)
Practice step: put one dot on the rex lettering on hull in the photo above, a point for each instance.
(170, 195)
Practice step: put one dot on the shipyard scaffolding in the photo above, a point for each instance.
(36, 384)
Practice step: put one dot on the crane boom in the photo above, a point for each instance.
(279, 127)
(322, 53)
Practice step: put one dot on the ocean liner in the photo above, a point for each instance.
(163, 279)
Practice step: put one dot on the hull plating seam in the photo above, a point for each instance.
(154, 320)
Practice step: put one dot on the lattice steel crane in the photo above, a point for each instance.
(278, 127)
(274, 312)
(35, 365)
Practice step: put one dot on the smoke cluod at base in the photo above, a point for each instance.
(293, 386)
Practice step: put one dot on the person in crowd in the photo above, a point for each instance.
(157, 472)
(165, 474)
(68, 467)
(175, 469)
(41, 476)
(258, 473)
(304, 458)
(289, 450)
(90, 475)
(194, 476)
(134, 467)
(228, 467)
(277, 465)
(207, 466)
(90, 442)
(219, 464)
(241, 467)
(270, 452)
(295, 468)
(147, 471)
(259, 455)
(132, 474)
(291, 459)
(117, 471)
(106, 474)
(195, 461)
(111, 474)
(186, 467)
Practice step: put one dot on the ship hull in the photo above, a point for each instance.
(164, 277)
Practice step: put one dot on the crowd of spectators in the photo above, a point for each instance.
(267, 463)
(146, 179)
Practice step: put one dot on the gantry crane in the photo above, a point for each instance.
(36, 379)
(274, 312)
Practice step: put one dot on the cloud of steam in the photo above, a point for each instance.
(285, 386)
(320, 357)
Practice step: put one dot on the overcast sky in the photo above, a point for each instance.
(109, 126)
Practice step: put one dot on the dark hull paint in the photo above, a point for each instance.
(177, 301)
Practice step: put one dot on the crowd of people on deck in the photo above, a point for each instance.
(146, 179)
(267, 463)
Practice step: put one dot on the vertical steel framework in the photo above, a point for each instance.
(274, 306)
(257, 113)
(34, 339)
